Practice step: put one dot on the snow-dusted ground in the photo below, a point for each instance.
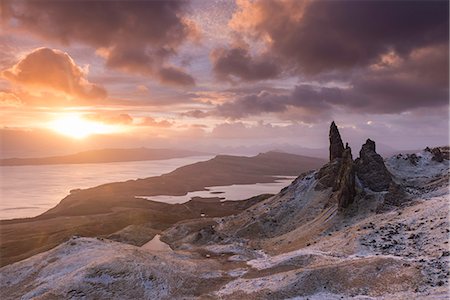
(90, 268)
(419, 177)
(400, 254)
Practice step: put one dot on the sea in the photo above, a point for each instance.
(28, 191)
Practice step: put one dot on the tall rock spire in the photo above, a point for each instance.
(336, 145)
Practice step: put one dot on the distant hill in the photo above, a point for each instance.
(102, 156)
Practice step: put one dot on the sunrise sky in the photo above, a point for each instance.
(221, 75)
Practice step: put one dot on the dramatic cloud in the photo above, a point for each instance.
(393, 85)
(313, 103)
(321, 36)
(52, 69)
(239, 63)
(374, 57)
(253, 104)
(134, 36)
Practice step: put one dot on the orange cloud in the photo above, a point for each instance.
(9, 100)
(45, 69)
(149, 121)
(126, 119)
(123, 119)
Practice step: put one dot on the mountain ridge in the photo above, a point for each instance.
(106, 155)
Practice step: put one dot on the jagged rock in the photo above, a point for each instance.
(339, 173)
(439, 153)
(336, 145)
(370, 168)
(345, 182)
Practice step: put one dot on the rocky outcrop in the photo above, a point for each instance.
(345, 182)
(339, 173)
(336, 145)
(371, 170)
(439, 153)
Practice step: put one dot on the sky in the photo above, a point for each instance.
(222, 76)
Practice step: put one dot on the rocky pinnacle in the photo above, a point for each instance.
(336, 145)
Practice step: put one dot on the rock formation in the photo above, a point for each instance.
(439, 154)
(336, 145)
(370, 168)
(339, 173)
(345, 182)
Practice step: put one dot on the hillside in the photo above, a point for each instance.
(353, 229)
(102, 156)
(109, 208)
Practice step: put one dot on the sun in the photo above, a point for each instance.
(77, 127)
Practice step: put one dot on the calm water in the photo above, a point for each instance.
(229, 192)
(27, 191)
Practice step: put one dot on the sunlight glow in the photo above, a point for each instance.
(76, 126)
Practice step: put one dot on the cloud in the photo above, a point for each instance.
(390, 85)
(313, 37)
(133, 36)
(305, 103)
(149, 121)
(239, 63)
(10, 100)
(253, 104)
(46, 68)
(126, 119)
(197, 114)
(175, 76)
(142, 89)
(113, 119)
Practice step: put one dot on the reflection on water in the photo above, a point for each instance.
(229, 192)
(27, 191)
(156, 245)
